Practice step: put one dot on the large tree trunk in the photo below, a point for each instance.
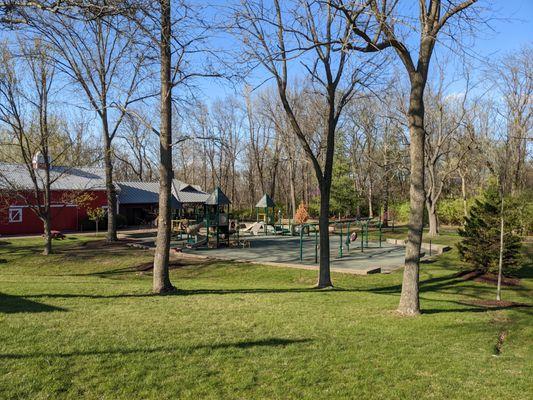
(324, 276)
(161, 281)
(409, 300)
(433, 218)
(47, 234)
(110, 187)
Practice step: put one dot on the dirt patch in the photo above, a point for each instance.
(492, 279)
(100, 245)
(497, 304)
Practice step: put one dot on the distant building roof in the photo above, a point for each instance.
(186, 193)
(18, 177)
(217, 198)
(148, 193)
(265, 202)
(138, 192)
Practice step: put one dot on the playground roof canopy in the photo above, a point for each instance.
(217, 198)
(265, 202)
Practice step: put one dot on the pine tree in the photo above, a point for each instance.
(480, 245)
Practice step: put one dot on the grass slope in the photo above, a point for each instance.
(82, 324)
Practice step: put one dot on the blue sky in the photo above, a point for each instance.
(510, 28)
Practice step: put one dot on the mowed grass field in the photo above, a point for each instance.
(82, 324)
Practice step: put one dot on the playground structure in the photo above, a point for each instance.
(211, 226)
(355, 244)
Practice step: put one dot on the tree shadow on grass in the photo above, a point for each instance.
(189, 292)
(15, 304)
(269, 342)
(471, 307)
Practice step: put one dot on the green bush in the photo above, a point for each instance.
(451, 212)
(399, 212)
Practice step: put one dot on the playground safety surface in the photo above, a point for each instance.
(285, 251)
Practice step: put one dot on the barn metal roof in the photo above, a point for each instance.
(18, 177)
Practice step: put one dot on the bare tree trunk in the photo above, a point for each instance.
(370, 209)
(463, 193)
(324, 276)
(500, 262)
(110, 187)
(292, 189)
(409, 300)
(433, 218)
(161, 281)
(47, 234)
(305, 194)
(385, 216)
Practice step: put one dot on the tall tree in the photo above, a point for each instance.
(161, 282)
(386, 27)
(305, 30)
(25, 114)
(97, 55)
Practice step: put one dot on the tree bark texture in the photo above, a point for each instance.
(161, 279)
(409, 300)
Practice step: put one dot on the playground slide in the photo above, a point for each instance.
(258, 227)
(248, 228)
(199, 243)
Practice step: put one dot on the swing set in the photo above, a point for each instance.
(347, 235)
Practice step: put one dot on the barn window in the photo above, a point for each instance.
(15, 214)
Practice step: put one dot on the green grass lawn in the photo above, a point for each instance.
(83, 324)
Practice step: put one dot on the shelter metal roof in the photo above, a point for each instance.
(148, 192)
(138, 192)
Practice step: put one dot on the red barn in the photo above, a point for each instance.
(68, 185)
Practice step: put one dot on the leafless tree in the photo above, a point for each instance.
(26, 116)
(274, 36)
(512, 78)
(140, 154)
(386, 27)
(103, 63)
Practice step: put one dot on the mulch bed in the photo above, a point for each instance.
(477, 276)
